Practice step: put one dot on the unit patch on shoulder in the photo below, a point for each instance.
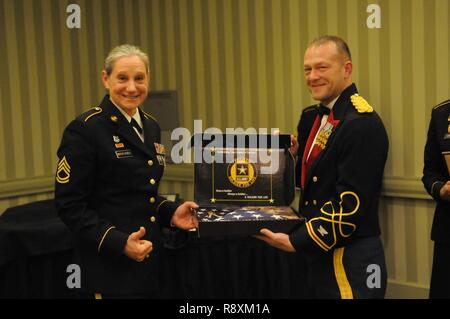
(63, 171)
(361, 104)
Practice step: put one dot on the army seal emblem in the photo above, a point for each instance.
(241, 173)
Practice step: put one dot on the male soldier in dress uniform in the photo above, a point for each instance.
(342, 150)
(110, 166)
(436, 180)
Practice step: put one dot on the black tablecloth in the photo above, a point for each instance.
(36, 248)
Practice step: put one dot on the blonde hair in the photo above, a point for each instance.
(125, 50)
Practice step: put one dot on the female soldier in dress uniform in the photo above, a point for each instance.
(110, 166)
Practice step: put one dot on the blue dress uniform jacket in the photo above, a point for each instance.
(106, 188)
(436, 171)
(341, 189)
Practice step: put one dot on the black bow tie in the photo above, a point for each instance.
(322, 109)
(136, 125)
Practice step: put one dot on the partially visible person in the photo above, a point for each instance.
(106, 191)
(436, 180)
(341, 150)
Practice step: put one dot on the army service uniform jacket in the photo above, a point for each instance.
(436, 170)
(106, 188)
(340, 191)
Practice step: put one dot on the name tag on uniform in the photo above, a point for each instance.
(124, 154)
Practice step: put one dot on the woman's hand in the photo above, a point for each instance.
(136, 248)
(184, 217)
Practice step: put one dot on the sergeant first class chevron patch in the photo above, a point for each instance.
(63, 171)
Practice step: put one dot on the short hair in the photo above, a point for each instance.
(124, 50)
(341, 45)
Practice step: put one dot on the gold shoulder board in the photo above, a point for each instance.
(361, 104)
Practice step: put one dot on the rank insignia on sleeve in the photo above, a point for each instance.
(361, 104)
(63, 171)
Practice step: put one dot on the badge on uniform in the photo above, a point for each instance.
(124, 154)
(161, 160)
(116, 140)
(324, 134)
(160, 153)
(160, 149)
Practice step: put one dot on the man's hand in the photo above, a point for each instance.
(184, 217)
(294, 146)
(277, 240)
(136, 248)
(445, 191)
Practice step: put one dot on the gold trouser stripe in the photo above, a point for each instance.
(341, 277)
(103, 238)
(98, 296)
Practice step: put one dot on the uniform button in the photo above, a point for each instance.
(152, 200)
(153, 219)
(152, 181)
(306, 203)
(314, 202)
(150, 162)
(315, 179)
